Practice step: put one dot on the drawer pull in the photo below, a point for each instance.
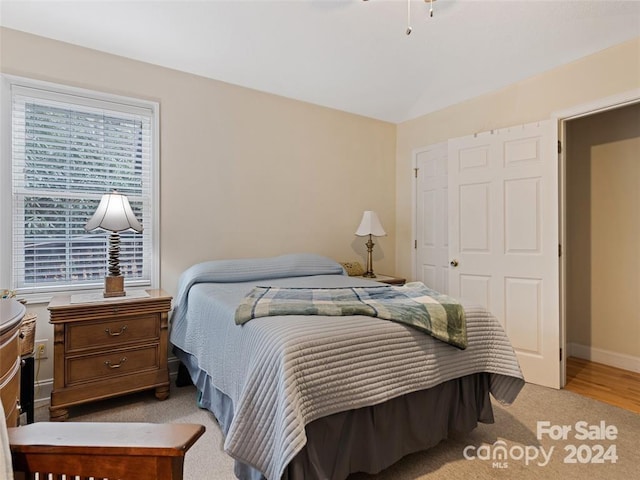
(117, 365)
(115, 334)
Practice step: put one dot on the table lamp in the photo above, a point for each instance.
(370, 225)
(114, 214)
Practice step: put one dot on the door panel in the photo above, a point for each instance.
(474, 201)
(432, 247)
(476, 289)
(522, 216)
(503, 234)
(524, 303)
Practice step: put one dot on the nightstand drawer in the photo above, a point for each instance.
(111, 364)
(112, 333)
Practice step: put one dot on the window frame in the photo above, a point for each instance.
(7, 213)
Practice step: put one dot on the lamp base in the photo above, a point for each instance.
(114, 286)
(369, 273)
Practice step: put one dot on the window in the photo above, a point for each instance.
(67, 148)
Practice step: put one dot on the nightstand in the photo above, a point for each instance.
(108, 347)
(387, 279)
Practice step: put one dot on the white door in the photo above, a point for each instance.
(432, 246)
(503, 237)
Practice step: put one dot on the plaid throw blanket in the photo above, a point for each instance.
(413, 304)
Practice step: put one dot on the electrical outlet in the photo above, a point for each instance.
(41, 349)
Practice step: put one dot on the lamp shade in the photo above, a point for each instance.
(114, 214)
(370, 225)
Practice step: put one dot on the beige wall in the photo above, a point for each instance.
(603, 231)
(243, 173)
(610, 72)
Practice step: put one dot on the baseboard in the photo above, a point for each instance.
(43, 388)
(606, 357)
(42, 392)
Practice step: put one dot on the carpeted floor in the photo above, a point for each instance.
(589, 444)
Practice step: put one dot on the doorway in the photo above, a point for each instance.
(602, 235)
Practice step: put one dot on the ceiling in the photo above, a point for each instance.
(344, 54)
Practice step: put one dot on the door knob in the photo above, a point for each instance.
(453, 263)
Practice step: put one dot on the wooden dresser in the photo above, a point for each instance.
(107, 348)
(11, 314)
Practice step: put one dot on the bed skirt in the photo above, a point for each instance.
(367, 439)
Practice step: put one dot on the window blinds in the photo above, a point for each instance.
(68, 150)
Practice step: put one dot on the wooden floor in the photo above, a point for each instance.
(602, 382)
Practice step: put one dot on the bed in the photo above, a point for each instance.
(321, 397)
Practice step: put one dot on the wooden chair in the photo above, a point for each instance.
(137, 451)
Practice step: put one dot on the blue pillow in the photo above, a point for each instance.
(251, 269)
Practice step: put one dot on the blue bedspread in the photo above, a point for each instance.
(283, 372)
